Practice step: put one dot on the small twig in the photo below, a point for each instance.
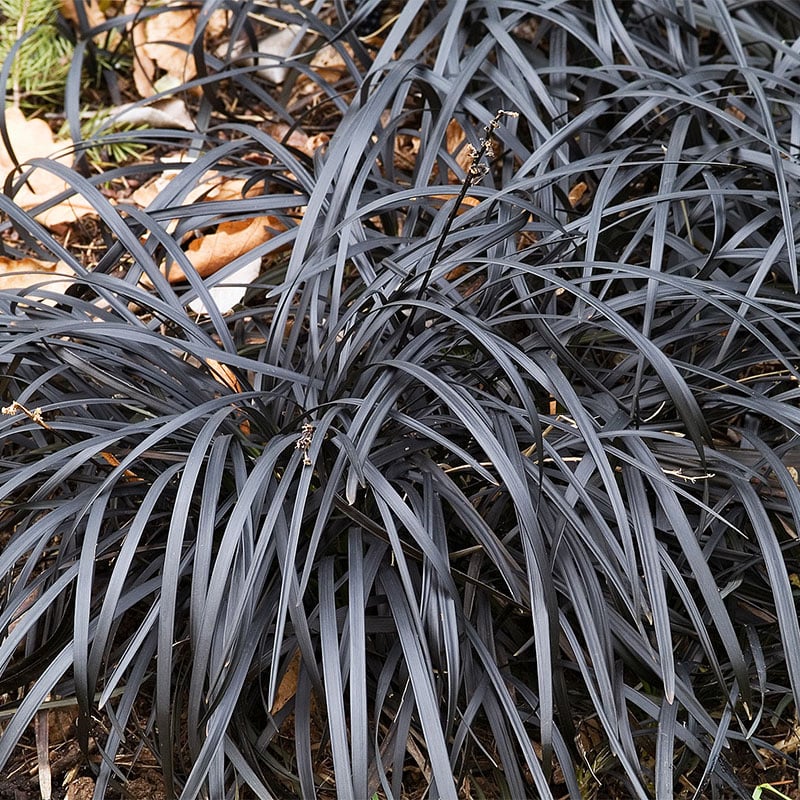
(35, 415)
(679, 473)
(304, 442)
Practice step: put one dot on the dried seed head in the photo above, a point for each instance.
(304, 442)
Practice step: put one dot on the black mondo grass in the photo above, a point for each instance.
(488, 486)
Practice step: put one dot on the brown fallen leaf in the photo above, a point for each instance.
(298, 138)
(455, 143)
(94, 14)
(209, 253)
(287, 688)
(23, 273)
(736, 112)
(214, 250)
(577, 192)
(161, 42)
(32, 138)
(224, 374)
(406, 150)
(213, 187)
(467, 200)
(329, 63)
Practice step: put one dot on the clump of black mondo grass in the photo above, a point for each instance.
(490, 481)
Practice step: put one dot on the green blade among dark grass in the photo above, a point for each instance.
(498, 492)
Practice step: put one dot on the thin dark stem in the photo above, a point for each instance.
(477, 169)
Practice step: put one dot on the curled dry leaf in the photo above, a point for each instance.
(224, 374)
(32, 138)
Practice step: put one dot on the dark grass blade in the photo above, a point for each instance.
(575, 473)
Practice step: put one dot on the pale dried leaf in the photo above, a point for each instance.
(32, 138)
(298, 138)
(218, 23)
(274, 50)
(144, 68)
(228, 293)
(168, 113)
(41, 734)
(214, 187)
(26, 272)
(61, 215)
